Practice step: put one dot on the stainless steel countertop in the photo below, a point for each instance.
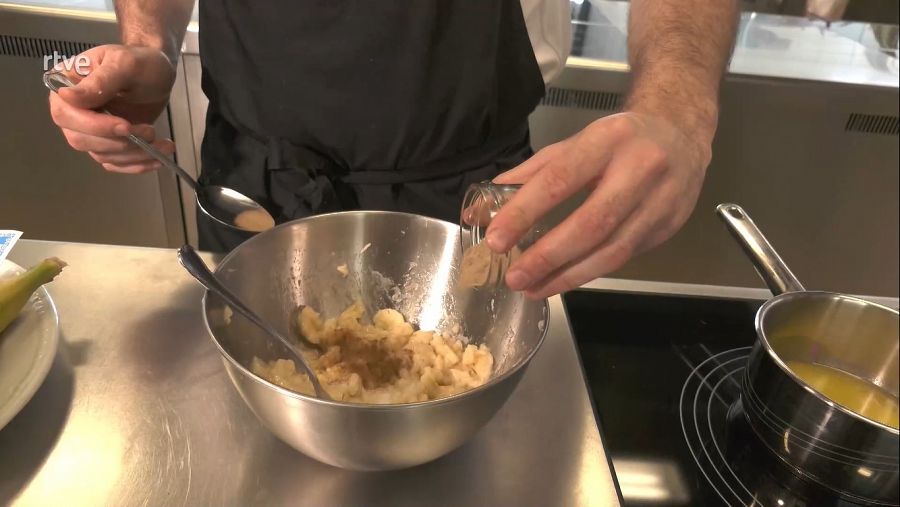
(137, 410)
(702, 291)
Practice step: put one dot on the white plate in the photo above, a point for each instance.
(27, 349)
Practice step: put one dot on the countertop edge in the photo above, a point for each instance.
(602, 284)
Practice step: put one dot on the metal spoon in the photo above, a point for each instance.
(224, 205)
(197, 268)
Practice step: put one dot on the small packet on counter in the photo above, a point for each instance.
(7, 242)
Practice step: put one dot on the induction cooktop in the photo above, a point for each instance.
(664, 375)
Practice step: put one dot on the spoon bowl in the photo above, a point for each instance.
(224, 205)
(194, 265)
(233, 209)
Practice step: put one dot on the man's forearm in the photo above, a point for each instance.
(678, 51)
(157, 24)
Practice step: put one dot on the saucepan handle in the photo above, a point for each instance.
(768, 263)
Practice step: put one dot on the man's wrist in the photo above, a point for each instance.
(696, 116)
(165, 44)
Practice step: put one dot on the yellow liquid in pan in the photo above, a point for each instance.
(864, 398)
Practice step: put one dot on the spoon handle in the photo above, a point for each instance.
(54, 80)
(197, 268)
(165, 161)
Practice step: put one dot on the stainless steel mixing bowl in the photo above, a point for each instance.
(395, 260)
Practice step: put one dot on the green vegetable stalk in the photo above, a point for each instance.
(15, 291)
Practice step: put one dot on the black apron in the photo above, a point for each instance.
(327, 105)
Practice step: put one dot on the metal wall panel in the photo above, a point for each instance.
(826, 195)
(47, 189)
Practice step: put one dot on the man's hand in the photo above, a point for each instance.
(644, 175)
(644, 167)
(133, 83)
(826, 10)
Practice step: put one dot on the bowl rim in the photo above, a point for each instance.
(786, 299)
(492, 381)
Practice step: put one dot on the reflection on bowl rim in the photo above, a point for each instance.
(366, 406)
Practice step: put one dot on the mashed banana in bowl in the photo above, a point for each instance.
(383, 362)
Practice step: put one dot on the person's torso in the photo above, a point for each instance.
(379, 85)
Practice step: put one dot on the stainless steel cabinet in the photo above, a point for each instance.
(814, 163)
(48, 190)
(188, 114)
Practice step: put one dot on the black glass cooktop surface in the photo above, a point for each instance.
(664, 375)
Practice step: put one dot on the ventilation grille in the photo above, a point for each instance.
(30, 47)
(582, 99)
(873, 124)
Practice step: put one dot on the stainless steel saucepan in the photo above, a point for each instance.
(819, 438)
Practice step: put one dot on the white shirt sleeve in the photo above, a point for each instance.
(549, 29)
